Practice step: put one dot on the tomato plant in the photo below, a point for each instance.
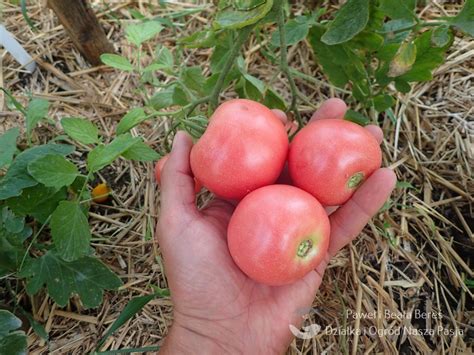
(244, 148)
(331, 158)
(278, 234)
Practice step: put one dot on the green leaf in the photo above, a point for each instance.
(402, 86)
(8, 322)
(464, 21)
(193, 79)
(403, 60)
(134, 306)
(13, 224)
(86, 277)
(296, 30)
(219, 57)
(349, 21)
(397, 25)
(137, 34)
(12, 341)
(141, 152)
(274, 101)
(396, 9)
(37, 201)
(70, 231)
(37, 110)
(356, 117)
(254, 88)
(162, 99)
(53, 171)
(180, 97)
(383, 102)
(17, 178)
(200, 39)
(81, 130)
(441, 36)
(164, 57)
(368, 41)
(8, 146)
(428, 58)
(235, 16)
(116, 61)
(133, 118)
(104, 155)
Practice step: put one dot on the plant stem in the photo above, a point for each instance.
(234, 53)
(284, 61)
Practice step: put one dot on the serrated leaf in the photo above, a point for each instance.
(137, 34)
(37, 110)
(193, 78)
(141, 152)
(465, 19)
(164, 57)
(86, 277)
(70, 231)
(37, 201)
(403, 60)
(441, 36)
(53, 171)
(162, 99)
(104, 155)
(427, 59)
(81, 130)
(116, 61)
(17, 178)
(8, 146)
(349, 21)
(397, 9)
(356, 117)
(133, 118)
(296, 30)
(235, 17)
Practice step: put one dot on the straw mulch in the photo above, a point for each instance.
(413, 258)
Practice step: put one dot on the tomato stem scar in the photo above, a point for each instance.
(304, 248)
(355, 180)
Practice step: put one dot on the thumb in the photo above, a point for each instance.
(177, 183)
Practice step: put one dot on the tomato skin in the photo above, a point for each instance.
(159, 168)
(100, 193)
(329, 156)
(266, 229)
(244, 147)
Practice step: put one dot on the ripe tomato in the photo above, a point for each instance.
(331, 158)
(159, 168)
(243, 148)
(278, 234)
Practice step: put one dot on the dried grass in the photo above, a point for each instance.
(413, 257)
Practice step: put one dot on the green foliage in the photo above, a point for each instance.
(12, 340)
(349, 21)
(86, 277)
(53, 171)
(464, 21)
(35, 112)
(241, 13)
(81, 130)
(104, 155)
(8, 146)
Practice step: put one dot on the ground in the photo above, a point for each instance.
(413, 258)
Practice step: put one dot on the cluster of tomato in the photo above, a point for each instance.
(279, 232)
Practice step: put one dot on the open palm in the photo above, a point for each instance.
(216, 306)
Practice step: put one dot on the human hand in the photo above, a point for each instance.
(217, 308)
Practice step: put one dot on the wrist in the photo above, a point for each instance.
(193, 338)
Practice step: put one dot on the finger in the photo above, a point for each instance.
(332, 108)
(177, 182)
(349, 220)
(376, 131)
(281, 115)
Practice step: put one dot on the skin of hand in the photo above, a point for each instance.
(217, 308)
